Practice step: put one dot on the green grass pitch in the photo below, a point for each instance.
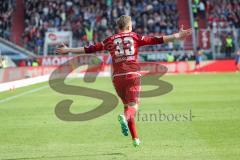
(30, 130)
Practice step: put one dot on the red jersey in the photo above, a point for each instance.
(123, 48)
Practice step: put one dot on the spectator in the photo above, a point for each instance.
(195, 9)
(229, 46)
(185, 57)
(2, 62)
(238, 60)
(217, 44)
(35, 63)
(202, 10)
(198, 58)
(170, 57)
(22, 63)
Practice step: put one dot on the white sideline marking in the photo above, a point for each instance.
(22, 83)
(23, 94)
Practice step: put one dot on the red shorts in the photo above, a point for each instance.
(128, 87)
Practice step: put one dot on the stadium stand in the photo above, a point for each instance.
(224, 14)
(6, 10)
(220, 15)
(93, 20)
(222, 20)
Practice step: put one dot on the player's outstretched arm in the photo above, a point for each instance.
(64, 50)
(99, 46)
(182, 34)
(148, 40)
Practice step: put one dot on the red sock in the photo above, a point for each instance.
(129, 113)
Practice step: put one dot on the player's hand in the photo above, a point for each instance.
(62, 50)
(182, 34)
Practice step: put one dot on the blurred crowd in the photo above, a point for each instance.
(92, 20)
(6, 10)
(219, 14)
(224, 14)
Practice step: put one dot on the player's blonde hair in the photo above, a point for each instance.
(123, 22)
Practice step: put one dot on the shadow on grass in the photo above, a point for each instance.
(115, 156)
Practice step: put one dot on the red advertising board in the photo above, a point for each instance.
(81, 59)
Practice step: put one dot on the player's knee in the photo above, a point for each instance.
(132, 104)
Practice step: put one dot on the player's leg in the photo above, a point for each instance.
(131, 100)
(128, 89)
(130, 110)
(117, 82)
(197, 65)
